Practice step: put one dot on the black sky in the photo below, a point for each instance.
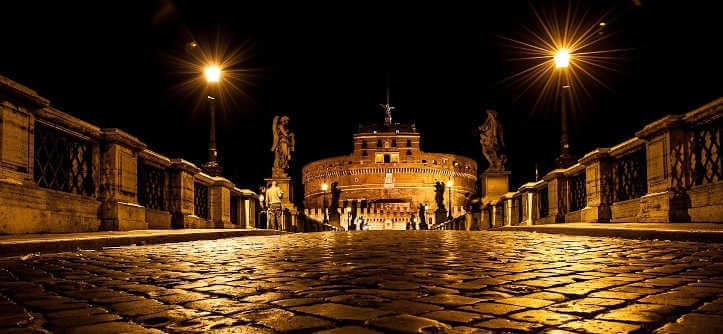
(326, 65)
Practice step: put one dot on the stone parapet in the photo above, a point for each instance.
(669, 172)
(114, 181)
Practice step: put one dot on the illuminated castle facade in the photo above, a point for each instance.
(386, 179)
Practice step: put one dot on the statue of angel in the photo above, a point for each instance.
(284, 142)
(492, 141)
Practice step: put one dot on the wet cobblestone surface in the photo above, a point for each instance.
(371, 282)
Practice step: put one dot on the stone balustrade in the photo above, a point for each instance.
(61, 174)
(670, 172)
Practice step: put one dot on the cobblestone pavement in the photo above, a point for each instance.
(369, 282)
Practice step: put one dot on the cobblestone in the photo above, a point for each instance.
(371, 282)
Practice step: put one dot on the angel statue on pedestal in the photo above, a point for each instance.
(283, 145)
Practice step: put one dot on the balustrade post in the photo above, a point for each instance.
(120, 210)
(529, 203)
(220, 202)
(556, 195)
(598, 186)
(668, 153)
(498, 213)
(180, 192)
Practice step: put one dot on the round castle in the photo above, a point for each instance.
(385, 179)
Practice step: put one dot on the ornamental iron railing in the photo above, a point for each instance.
(151, 184)
(543, 198)
(708, 167)
(62, 161)
(518, 202)
(235, 202)
(200, 200)
(630, 178)
(578, 196)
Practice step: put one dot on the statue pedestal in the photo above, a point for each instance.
(494, 185)
(287, 210)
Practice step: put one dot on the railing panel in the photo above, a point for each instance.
(233, 215)
(708, 167)
(62, 162)
(200, 200)
(578, 196)
(544, 202)
(518, 202)
(151, 186)
(630, 178)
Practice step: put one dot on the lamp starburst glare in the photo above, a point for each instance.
(213, 73)
(570, 41)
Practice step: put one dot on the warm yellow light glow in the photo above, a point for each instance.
(602, 24)
(213, 73)
(562, 58)
(450, 183)
(324, 186)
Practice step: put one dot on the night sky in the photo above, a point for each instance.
(326, 66)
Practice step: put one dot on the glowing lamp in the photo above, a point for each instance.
(324, 186)
(450, 183)
(213, 73)
(562, 58)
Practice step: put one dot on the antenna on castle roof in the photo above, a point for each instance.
(387, 107)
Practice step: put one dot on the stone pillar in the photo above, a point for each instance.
(529, 204)
(668, 150)
(219, 194)
(120, 210)
(180, 192)
(498, 213)
(557, 194)
(598, 186)
(486, 217)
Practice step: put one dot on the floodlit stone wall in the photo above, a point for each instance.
(61, 174)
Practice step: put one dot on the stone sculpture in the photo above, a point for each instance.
(284, 143)
(492, 141)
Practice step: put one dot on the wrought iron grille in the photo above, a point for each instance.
(630, 176)
(543, 198)
(234, 209)
(708, 167)
(578, 196)
(518, 201)
(200, 200)
(151, 181)
(62, 161)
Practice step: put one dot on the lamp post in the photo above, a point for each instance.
(565, 159)
(213, 76)
(324, 187)
(449, 186)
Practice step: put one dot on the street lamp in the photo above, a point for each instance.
(325, 187)
(213, 76)
(562, 61)
(449, 186)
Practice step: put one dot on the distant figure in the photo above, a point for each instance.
(274, 194)
(422, 215)
(439, 195)
(492, 141)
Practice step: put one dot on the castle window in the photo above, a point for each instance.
(379, 143)
(424, 161)
(364, 144)
(395, 157)
(364, 153)
(394, 143)
(409, 152)
(409, 143)
(387, 158)
(379, 158)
